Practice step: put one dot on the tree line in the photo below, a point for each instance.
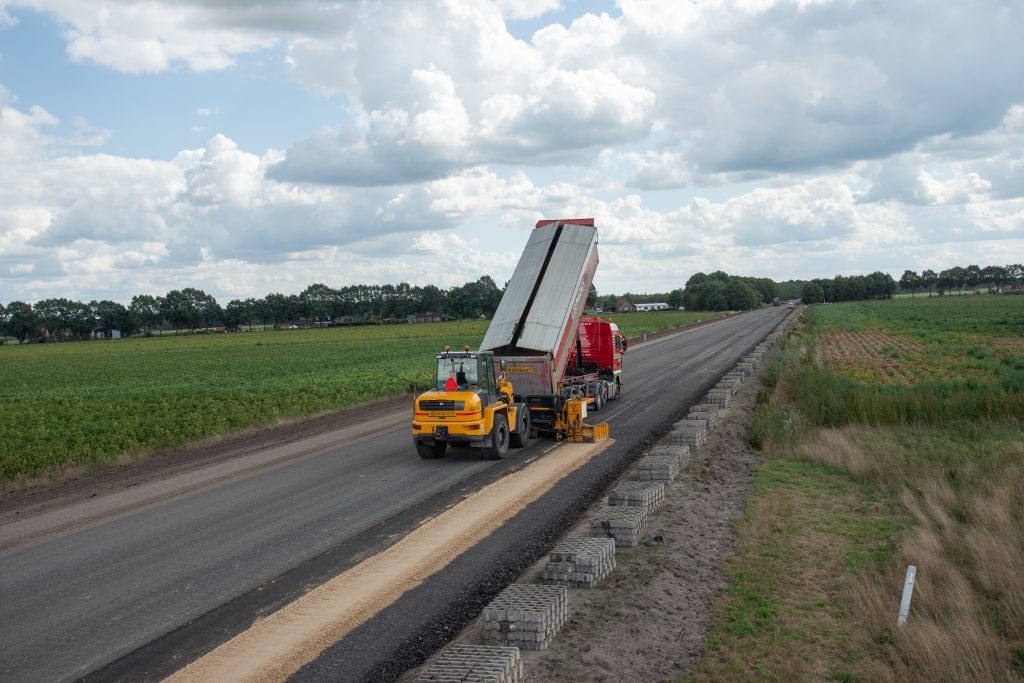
(719, 291)
(880, 285)
(192, 309)
(877, 285)
(958, 278)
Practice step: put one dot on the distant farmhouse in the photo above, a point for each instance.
(427, 317)
(626, 306)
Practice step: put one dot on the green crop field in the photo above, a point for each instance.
(89, 403)
(893, 435)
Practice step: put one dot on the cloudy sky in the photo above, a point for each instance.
(261, 146)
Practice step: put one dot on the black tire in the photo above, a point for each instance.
(499, 438)
(521, 437)
(599, 397)
(618, 390)
(430, 451)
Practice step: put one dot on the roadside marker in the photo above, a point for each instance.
(908, 590)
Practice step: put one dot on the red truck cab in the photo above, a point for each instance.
(599, 350)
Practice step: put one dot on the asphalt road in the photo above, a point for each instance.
(138, 595)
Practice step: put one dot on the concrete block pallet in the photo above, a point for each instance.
(709, 417)
(624, 523)
(693, 433)
(476, 664)
(646, 494)
(526, 616)
(719, 397)
(731, 384)
(580, 562)
(662, 465)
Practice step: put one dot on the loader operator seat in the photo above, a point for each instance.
(461, 380)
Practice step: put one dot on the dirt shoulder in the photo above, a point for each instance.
(648, 620)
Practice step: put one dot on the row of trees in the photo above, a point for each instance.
(720, 291)
(958, 278)
(877, 285)
(193, 309)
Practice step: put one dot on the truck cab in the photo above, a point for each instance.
(468, 406)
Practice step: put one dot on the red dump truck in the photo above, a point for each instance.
(541, 363)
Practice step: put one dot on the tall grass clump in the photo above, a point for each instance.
(831, 400)
(774, 424)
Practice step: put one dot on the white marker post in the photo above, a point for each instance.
(908, 590)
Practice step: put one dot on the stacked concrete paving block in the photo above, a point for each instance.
(580, 562)
(692, 432)
(730, 384)
(719, 397)
(477, 663)
(706, 412)
(662, 463)
(646, 494)
(526, 616)
(673, 438)
(625, 523)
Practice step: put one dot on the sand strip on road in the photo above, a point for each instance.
(281, 643)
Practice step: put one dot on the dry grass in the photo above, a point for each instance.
(966, 539)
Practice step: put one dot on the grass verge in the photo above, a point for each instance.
(848, 498)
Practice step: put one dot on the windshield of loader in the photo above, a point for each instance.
(462, 370)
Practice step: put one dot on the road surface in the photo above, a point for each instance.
(136, 583)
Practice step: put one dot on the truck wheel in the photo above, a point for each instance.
(499, 438)
(613, 394)
(521, 437)
(429, 451)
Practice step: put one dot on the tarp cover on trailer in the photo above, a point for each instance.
(544, 300)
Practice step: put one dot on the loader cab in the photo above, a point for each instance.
(467, 371)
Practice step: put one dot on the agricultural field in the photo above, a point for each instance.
(92, 404)
(893, 435)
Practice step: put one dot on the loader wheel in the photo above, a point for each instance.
(429, 451)
(499, 438)
(521, 437)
